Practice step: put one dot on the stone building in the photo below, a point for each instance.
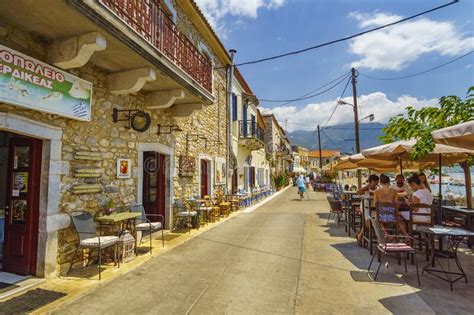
(277, 145)
(300, 163)
(102, 105)
(252, 167)
(328, 156)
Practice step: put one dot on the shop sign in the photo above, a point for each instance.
(30, 83)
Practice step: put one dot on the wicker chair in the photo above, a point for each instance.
(90, 239)
(184, 216)
(336, 209)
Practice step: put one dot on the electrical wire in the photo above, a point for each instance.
(306, 94)
(419, 73)
(324, 133)
(337, 104)
(345, 38)
(305, 97)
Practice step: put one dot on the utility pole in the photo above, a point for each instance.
(229, 119)
(356, 120)
(320, 155)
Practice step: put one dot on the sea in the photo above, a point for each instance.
(457, 173)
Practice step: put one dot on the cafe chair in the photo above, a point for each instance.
(416, 219)
(386, 247)
(336, 210)
(89, 238)
(387, 216)
(144, 223)
(206, 208)
(184, 216)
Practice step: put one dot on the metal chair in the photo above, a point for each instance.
(90, 239)
(144, 224)
(336, 209)
(185, 216)
(385, 247)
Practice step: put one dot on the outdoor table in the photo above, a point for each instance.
(122, 218)
(454, 237)
(466, 215)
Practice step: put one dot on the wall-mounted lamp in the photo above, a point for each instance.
(167, 129)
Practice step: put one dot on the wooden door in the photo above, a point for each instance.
(22, 206)
(204, 178)
(154, 184)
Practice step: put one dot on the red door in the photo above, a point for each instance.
(204, 178)
(154, 184)
(22, 206)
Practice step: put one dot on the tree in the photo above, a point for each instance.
(418, 124)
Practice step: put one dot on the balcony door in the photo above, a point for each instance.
(244, 121)
(21, 220)
(154, 183)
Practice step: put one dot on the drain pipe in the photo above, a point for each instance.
(229, 119)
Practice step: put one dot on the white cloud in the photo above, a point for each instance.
(375, 103)
(393, 48)
(216, 10)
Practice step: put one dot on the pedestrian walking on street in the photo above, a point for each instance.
(300, 183)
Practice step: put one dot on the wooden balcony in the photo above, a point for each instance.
(148, 19)
(251, 135)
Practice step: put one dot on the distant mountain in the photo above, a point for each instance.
(338, 137)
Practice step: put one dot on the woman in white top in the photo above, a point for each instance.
(421, 195)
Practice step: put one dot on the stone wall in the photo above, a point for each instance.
(111, 140)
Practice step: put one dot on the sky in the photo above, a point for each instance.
(262, 28)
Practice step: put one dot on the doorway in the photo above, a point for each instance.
(154, 184)
(205, 177)
(20, 171)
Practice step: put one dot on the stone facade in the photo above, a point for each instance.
(277, 145)
(111, 141)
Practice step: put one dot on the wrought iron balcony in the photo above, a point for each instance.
(151, 22)
(250, 134)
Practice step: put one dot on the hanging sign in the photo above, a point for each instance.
(30, 83)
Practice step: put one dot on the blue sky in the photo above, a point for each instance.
(260, 28)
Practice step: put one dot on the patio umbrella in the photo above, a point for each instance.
(441, 154)
(461, 135)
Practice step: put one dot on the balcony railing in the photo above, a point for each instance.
(248, 129)
(149, 20)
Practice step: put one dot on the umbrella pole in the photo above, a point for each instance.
(440, 196)
(401, 166)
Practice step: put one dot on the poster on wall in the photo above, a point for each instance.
(20, 182)
(30, 83)
(220, 171)
(124, 168)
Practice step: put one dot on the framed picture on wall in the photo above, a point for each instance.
(220, 171)
(124, 168)
(187, 166)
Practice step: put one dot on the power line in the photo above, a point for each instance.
(306, 94)
(419, 73)
(337, 103)
(335, 145)
(314, 95)
(305, 97)
(345, 38)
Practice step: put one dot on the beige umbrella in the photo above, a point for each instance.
(461, 135)
(400, 151)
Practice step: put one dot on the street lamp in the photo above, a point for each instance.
(356, 127)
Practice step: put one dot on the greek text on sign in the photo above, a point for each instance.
(27, 82)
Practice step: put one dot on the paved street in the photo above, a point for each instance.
(280, 258)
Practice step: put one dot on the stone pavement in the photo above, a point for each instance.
(280, 258)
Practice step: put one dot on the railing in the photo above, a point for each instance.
(248, 129)
(149, 20)
(282, 149)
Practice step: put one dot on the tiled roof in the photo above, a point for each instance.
(324, 153)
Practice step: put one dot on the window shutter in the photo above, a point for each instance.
(234, 107)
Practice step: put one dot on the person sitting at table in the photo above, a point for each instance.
(370, 188)
(420, 195)
(400, 185)
(424, 181)
(346, 187)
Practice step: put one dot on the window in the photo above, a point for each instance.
(234, 107)
(168, 5)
